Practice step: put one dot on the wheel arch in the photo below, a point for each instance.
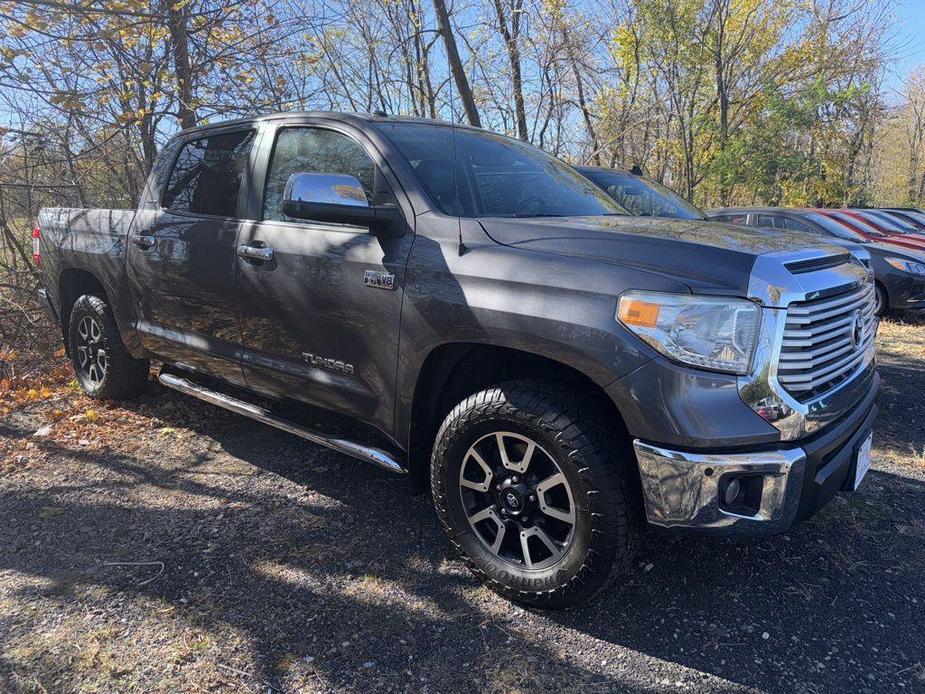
(453, 371)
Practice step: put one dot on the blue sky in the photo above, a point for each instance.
(910, 40)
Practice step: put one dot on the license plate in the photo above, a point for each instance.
(863, 462)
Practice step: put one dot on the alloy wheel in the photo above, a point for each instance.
(517, 500)
(91, 355)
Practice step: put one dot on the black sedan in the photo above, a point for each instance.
(899, 272)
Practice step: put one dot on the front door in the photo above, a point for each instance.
(181, 256)
(320, 314)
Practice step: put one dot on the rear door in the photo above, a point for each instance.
(181, 254)
(316, 329)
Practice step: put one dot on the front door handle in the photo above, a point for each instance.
(259, 253)
(144, 241)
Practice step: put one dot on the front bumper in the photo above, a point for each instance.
(906, 291)
(781, 485)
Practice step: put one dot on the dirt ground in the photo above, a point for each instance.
(165, 545)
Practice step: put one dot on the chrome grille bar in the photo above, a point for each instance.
(826, 341)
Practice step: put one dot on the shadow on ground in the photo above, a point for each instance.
(338, 564)
(318, 572)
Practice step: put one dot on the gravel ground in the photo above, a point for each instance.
(164, 545)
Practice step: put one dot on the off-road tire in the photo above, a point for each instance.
(600, 469)
(125, 377)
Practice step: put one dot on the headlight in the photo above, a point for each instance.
(707, 332)
(907, 265)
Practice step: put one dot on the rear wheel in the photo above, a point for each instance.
(535, 493)
(103, 366)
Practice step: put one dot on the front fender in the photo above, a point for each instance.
(553, 306)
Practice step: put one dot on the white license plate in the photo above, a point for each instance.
(863, 463)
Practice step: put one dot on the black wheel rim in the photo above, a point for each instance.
(517, 500)
(91, 356)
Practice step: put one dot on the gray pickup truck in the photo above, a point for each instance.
(491, 324)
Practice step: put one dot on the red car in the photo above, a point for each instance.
(875, 228)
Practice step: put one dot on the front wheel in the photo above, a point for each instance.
(534, 492)
(880, 301)
(104, 367)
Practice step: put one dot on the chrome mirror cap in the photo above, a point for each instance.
(328, 188)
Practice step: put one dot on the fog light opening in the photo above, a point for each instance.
(741, 494)
(732, 492)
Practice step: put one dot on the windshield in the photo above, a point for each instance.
(915, 218)
(471, 173)
(902, 224)
(855, 223)
(886, 222)
(834, 228)
(642, 196)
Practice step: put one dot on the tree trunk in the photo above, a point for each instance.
(177, 24)
(722, 93)
(510, 36)
(456, 66)
(582, 101)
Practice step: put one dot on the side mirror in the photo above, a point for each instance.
(338, 199)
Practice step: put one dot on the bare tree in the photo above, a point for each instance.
(456, 65)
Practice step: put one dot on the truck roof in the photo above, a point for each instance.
(347, 116)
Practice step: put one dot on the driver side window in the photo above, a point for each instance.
(312, 150)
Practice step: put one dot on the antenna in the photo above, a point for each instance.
(461, 249)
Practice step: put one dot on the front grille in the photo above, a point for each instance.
(821, 349)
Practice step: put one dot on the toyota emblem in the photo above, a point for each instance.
(857, 331)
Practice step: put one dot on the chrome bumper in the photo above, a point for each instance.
(683, 489)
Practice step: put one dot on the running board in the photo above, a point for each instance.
(375, 456)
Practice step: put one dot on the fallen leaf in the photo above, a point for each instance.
(50, 511)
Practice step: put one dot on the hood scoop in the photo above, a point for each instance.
(798, 267)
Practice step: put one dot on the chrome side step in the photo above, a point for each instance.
(375, 456)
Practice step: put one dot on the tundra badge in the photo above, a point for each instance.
(379, 280)
(328, 363)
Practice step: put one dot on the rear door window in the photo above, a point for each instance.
(206, 176)
(731, 218)
(794, 225)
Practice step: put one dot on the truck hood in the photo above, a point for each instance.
(705, 255)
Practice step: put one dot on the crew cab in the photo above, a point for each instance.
(491, 324)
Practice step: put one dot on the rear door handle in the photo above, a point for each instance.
(258, 253)
(144, 241)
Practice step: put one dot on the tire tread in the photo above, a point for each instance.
(126, 376)
(584, 433)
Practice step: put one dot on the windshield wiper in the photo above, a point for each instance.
(528, 215)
